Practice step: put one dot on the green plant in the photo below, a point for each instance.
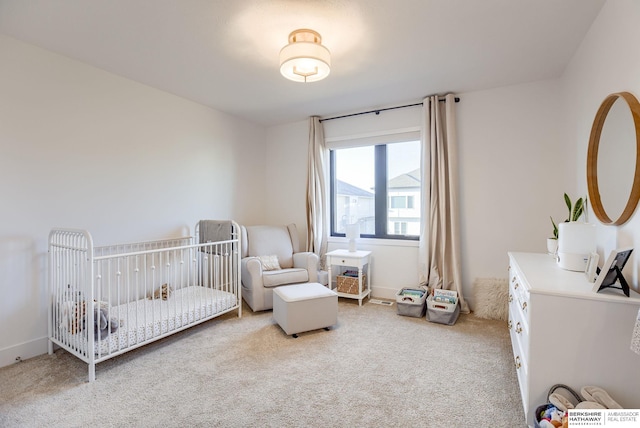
(575, 212)
(555, 229)
(578, 208)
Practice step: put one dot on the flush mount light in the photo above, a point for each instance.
(304, 59)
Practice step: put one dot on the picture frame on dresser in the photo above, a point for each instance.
(611, 271)
(591, 270)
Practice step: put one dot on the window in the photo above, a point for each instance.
(400, 228)
(401, 201)
(377, 186)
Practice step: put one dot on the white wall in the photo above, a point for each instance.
(514, 168)
(606, 62)
(83, 148)
(286, 176)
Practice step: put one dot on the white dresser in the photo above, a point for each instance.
(563, 332)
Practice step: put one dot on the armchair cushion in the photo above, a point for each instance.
(274, 278)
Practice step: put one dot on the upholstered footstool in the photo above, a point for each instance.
(304, 307)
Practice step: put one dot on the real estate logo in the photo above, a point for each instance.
(625, 418)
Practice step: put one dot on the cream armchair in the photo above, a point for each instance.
(271, 257)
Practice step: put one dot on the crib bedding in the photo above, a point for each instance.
(144, 319)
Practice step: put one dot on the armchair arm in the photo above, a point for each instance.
(309, 261)
(251, 272)
(252, 284)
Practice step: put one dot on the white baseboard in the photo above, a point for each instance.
(23, 351)
(383, 293)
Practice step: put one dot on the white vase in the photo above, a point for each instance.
(552, 246)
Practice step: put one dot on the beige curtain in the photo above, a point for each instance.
(317, 224)
(439, 249)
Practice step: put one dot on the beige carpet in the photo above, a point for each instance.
(374, 369)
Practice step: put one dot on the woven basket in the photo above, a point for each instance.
(349, 284)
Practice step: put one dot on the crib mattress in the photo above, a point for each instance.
(145, 319)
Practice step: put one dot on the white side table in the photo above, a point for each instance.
(357, 259)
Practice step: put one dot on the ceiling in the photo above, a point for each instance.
(224, 53)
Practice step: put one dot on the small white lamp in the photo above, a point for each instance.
(353, 233)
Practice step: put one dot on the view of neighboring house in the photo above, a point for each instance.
(354, 204)
(403, 206)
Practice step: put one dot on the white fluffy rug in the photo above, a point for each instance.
(491, 298)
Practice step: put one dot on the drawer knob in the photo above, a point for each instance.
(518, 362)
(518, 327)
(513, 279)
(524, 306)
(510, 324)
(515, 286)
(510, 298)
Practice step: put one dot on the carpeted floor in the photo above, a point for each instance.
(373, 369)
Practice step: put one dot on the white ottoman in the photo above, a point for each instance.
(305, 307)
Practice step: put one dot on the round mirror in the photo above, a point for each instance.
(613, 167)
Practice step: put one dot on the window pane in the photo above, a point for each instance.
(354, 199)
(397, 202)
(403, 183)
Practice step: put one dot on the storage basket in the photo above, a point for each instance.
(349, 284)
(442, 312)
(411, 302)
(540, 410)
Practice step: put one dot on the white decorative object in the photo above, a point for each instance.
(353, 233)
(592, 267)
(576, 242)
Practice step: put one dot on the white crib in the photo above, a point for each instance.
(109, 300)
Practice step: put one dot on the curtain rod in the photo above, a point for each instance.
(377, 111)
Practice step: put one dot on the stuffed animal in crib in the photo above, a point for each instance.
(163, 292)
(73, 311)
(103, 325)
(72, 316)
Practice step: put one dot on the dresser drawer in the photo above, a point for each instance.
(519, 330)
(519, 295)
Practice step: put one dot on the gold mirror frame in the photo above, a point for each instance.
(592, 159)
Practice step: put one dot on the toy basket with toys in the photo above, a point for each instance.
(554, 414)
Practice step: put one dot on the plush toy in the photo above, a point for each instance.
(551, 418)
(164, 292)
(72, 316)
(103, 325)
(73, 310)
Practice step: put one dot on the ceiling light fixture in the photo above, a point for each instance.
(304, 59)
